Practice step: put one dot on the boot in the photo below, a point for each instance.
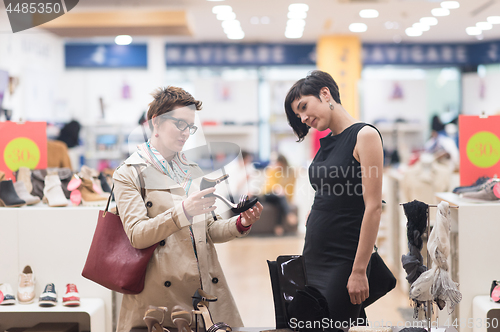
(2, 176)
(53, 194)
(24, 174)
(23, 193)
(89, 196)
(8, 195)
(93, 175)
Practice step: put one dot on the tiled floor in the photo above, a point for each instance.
(245, 267)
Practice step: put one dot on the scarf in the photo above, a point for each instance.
(175, 170)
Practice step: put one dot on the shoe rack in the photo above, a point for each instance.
(55, 243)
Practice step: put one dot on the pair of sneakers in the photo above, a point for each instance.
(49, 296)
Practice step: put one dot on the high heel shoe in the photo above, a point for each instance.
(200, 305)
(153, 324)
(182, 320)
(208, 183)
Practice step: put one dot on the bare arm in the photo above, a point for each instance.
(369, 153)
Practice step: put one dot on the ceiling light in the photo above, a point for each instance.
(254, 20)
(494, 19)
(440, 12)
(358, 27)
(389, 25)
(484, 25)
(429, 20)
(227, 16)
(421, 26)
(222, 9)
(299, 15)
(298, 23)
(368, 13)
(412, 32)
(298, 7)
(234, 24)
(473, 31)
(293, 35)
(450, 4)
(123, 40)
(265, 20)
(236, 35)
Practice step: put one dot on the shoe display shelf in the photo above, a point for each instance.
(89, 315)
(474, 260)
(55, 243)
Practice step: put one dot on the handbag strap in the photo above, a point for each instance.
(141, 183)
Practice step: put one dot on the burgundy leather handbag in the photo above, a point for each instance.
(112, 262)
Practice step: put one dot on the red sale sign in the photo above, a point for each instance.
(22, 144)
(479, 144)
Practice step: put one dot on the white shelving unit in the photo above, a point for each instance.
(55, 243)
(89, 315)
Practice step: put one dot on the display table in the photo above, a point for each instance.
(486, 311)
(89, 315)
(54, 242)
(478, 227)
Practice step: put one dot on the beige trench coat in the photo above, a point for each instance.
(173, 274)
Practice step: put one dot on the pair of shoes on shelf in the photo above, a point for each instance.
(23, 193)
(488, 191)
(26, 286)
(53, 194)
(49, 296)
(84, 190)
(182, 319)
(6, 295)
(9, 196)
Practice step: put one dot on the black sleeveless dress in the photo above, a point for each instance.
(334, 224)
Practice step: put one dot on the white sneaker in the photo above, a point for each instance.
(7, 295)
(26, 288)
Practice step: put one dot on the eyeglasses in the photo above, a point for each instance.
(181, 124)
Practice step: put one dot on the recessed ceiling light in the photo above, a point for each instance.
(429, 20)
(484, 25)
(298, 7)
(234, 24)
(412, 32)
(450, 4)
(236, 35)
(389, 25)
(421, 26)
(254, 20)
(494, 19)
(368, 13)
(222, 9)
(297, 23)
(300, 15)
(358, 27)
(473, 31)
(123, 40)
(265, 20)
(292, 34)
(226, 16)
(440, 12)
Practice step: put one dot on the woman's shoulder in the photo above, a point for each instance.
(125, 170)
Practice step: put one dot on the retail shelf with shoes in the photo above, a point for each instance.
(70, 230)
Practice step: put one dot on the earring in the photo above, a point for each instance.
(331, 106)
(156, 135)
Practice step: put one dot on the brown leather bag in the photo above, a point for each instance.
(112, 262)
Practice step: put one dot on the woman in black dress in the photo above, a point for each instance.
(346, 174)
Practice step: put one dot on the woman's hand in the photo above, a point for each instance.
(358, 288)
(197, 203)
(251, 215)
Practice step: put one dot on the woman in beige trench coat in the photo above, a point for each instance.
(175, 214)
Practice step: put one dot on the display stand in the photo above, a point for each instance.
(428, 312)
(55, 243)
(89, 315)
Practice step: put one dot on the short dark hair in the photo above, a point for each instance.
(308, 86)
(165, 99)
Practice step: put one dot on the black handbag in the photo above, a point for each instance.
(294, 300)
(380, 279)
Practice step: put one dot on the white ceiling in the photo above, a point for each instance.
(325, 17)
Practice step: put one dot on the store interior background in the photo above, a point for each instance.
(253, 116)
